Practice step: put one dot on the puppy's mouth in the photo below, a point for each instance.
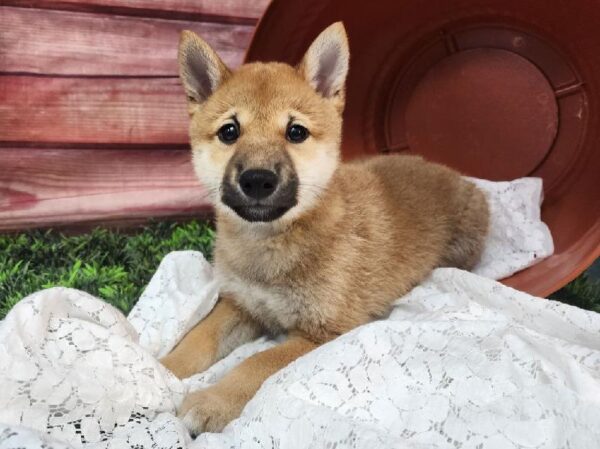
(264, 210)
(260, 212)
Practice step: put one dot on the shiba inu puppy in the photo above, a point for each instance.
(306, 245)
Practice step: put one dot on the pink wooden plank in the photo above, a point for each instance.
(51, 187)
(92, 110)
(232, 10)
(73, 43)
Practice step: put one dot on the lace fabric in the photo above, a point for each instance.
(462, 362)
(517, 237)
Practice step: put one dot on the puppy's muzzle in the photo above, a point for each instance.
(260, 194)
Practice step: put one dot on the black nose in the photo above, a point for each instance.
(258, 184)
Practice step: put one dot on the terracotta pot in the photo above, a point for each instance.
(497, 89)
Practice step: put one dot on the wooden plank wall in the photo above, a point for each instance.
(93, 126)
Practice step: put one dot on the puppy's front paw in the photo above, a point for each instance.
(208, 411)
(185, 365)
(182, 367)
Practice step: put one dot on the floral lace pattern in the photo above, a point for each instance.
(517, 238)
(461, 362)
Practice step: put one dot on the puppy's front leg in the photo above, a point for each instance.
(221, 331)
(211, 409)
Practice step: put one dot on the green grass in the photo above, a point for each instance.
(583, 292)
(112, 265)
(116, 266)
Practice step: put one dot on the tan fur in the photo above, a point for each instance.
(213, 408)
(225, 328)
(361, 235)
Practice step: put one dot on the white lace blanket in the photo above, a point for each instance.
(461, 362)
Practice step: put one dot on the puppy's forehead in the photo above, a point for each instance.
(264, 88)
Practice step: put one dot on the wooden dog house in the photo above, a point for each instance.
(93, 122)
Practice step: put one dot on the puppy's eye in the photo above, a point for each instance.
(229, 133)
(296, 133)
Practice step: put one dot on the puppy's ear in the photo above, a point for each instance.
(325, 64)
(200, 68)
